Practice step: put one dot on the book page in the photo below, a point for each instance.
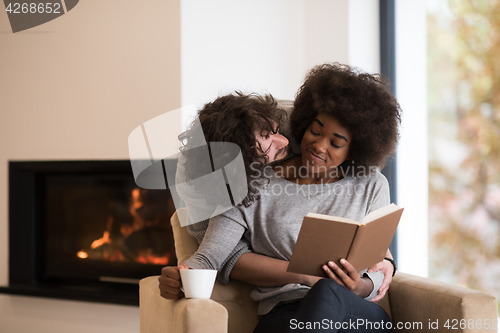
(376, 214)
(331, 218)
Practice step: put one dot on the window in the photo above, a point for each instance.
(448, 85)
(463, 39)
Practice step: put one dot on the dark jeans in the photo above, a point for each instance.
(327, 307)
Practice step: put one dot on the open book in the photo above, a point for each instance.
(324, 238)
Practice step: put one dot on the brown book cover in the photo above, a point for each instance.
(324, 238)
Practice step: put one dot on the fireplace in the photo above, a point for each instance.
(83, 230)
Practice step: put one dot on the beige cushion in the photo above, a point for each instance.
(159, 315)
(185, 245)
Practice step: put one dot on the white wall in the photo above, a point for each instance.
(412, 160)
(252, 46)
(246, 45)
(364, 35)
(326, 32)
(268, 46)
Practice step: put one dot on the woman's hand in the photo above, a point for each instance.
(264, 271)
(386, 267)
(349, 279)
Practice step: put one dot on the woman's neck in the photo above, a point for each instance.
(294, 171)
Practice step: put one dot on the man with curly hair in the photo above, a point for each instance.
(252, 122)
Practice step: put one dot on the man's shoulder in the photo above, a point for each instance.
(235, 212)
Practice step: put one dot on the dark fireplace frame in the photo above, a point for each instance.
(25, 235)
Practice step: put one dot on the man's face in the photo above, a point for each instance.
(273, 145)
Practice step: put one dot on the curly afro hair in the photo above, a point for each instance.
(361, 102)
(234, 118)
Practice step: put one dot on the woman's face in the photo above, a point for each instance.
(325, 144)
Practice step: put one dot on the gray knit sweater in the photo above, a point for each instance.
(200, 209)
(272, 223)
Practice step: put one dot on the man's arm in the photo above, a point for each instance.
(386, 268)
(219, 241)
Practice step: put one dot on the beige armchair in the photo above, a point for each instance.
(412, 301)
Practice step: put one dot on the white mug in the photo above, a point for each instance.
(198, 283)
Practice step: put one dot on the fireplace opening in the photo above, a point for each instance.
(93, 222)
(84, 230)
(134, 224)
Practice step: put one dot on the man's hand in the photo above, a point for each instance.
(349, 279)
(170, 281)
(386, 268)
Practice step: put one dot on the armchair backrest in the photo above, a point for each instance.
(185, 244)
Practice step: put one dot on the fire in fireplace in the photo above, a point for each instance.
(77, 225)
(137, 230)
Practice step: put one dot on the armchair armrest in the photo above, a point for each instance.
(416, 299)
(159, 315)
(232, 300)
(235, 297)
